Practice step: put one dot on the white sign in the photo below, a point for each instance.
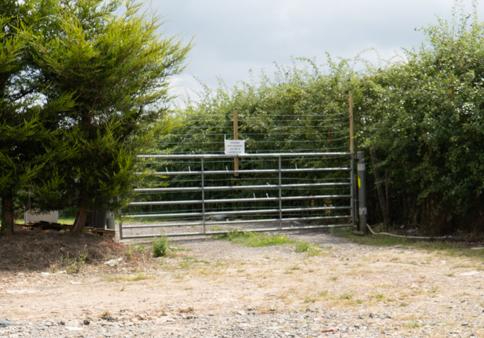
(234, 147)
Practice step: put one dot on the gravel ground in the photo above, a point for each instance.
(311, 323)
(214, 288)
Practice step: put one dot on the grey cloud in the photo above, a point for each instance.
(230, 36)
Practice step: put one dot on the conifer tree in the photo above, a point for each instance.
(116, 67)
(16, 126)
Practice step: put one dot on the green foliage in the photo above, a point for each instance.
(26, 143)
(116, 69)
(160, 247)
(80, 84)
(301, 109)
(83, 87)
(421, 123)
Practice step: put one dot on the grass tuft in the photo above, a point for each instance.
(74, 264)
(308, 248)
(160, 247)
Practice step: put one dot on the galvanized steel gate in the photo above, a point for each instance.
(205, 194)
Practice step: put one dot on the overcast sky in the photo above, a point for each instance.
(231, 37)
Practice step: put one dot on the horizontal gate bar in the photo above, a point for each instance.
(243, 171)
(236, 212)
(273, 155)
(243, 187)
(235, 200)
(187, 234)
(266, 220)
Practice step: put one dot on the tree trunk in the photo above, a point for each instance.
(82, 214)
(81, 219)
(8, 214)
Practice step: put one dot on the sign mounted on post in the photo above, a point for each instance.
(234, 147)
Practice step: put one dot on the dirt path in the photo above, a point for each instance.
(217, 288)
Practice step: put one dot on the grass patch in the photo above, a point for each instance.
(60, 220)
(259, 239)
(160, 247)
(308, 248)
(445, 247)
(189, 262)
(255, 240)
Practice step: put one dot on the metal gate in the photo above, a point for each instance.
(207, 194)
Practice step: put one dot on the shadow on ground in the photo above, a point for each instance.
(37, 250)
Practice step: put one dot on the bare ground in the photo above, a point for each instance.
(56, 285)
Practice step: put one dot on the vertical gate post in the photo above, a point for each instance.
(353, 192)
(352, 161)
(118, 230)
(362, 210)
(202, 172)
(280, 190)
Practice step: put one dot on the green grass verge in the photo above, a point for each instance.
(447, 247)
(259, 239)
(255, 239)
(61, 220)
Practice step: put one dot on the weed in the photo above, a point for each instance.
(74, 264)
(160, 247)
(134, 250)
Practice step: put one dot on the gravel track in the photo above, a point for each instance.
(218, 289)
